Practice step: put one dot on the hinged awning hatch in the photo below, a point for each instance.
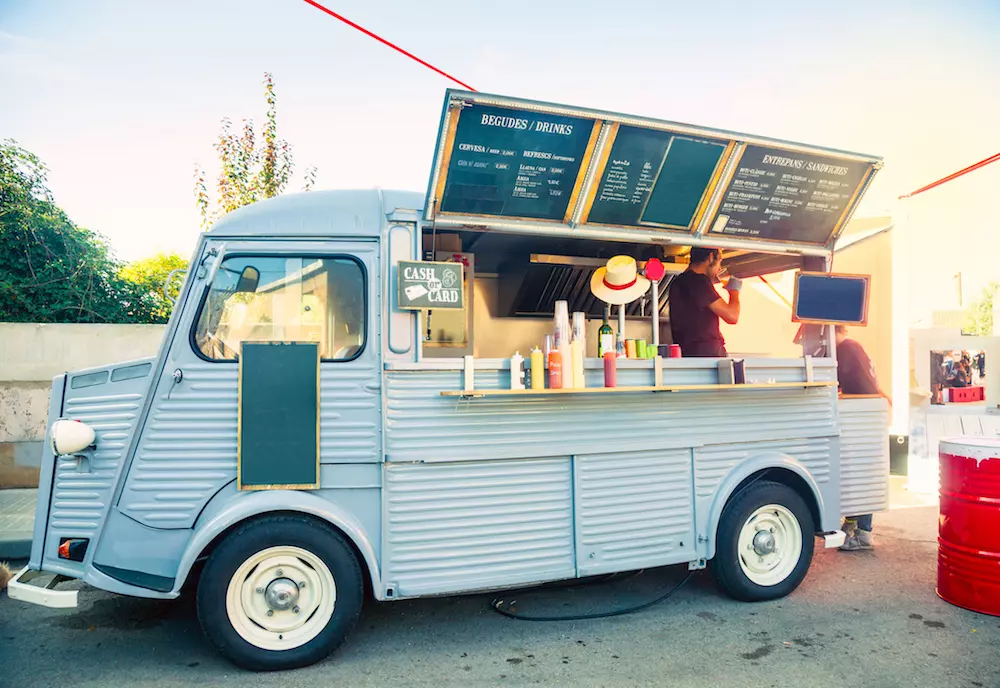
(519, 166)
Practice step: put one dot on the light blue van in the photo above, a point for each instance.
(425, 484)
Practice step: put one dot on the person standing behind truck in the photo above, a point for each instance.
(856, 374)
(696, 307)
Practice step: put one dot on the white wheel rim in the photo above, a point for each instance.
(294, 585)
(770, 545)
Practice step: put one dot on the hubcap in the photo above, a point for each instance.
(282, 594)
(763, 543)
(770, 544)
(281, 598)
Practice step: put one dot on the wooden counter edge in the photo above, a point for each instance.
(610, 390)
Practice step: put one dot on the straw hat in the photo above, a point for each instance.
(619, 282)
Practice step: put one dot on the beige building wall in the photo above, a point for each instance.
(30, 356)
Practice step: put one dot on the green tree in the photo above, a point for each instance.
(979, 320)
(251, 168)
(52, 270)
(147, 278)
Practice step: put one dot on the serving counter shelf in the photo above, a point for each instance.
(480, 393)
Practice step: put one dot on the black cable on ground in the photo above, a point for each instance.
(497, 603)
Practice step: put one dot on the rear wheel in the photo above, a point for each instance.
(279, 593)
(765, 543)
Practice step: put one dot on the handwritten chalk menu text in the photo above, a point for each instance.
(654, 178)
(514, 163)
(425, 284)
(788, 196)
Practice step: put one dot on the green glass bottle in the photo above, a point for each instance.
(605, 336)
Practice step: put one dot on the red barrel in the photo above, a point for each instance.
(969, 524)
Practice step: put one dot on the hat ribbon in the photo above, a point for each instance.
(620, 287)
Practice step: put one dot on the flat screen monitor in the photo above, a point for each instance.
(826, 298)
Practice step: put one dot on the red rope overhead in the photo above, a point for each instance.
(939, 182)
(385, 42)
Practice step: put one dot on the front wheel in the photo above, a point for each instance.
(279, 593)
(765, 543)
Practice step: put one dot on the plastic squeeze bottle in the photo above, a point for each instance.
(610, 369)
(517, 371)
(555, 370)
(577, 351)
(537, 369)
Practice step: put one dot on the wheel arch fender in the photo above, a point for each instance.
(775, 466)
(216, 523)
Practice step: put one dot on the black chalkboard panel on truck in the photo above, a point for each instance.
(514, 163)
(655, 178)
(789, 196)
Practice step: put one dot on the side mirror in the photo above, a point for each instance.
(248, 280)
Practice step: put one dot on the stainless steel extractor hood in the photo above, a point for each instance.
(531, 288)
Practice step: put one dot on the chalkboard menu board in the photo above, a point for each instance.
(830, 298)
(655, 178)
(788, 196)
(514, 163)
(278, 407)
(510, 164)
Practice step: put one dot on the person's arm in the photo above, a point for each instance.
(730, 312)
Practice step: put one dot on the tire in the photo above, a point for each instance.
(303, 572)
(743, 565)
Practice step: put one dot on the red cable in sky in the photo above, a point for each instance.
(385, 42)
(939, 182)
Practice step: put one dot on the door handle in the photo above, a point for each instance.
(372, 387)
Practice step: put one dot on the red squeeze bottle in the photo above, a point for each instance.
(555, 369)
(610, 369)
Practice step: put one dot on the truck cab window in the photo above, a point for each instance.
(284, 299)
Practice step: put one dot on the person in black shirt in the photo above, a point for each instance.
(856, 374)
(696, 307)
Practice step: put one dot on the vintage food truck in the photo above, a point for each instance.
(321, 425)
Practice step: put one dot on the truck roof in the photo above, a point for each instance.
(318, 213)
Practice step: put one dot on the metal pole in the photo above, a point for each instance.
(656, 315)
(621, 321)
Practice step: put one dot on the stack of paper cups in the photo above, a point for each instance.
(561, 341)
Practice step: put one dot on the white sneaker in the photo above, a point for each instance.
(858, 541)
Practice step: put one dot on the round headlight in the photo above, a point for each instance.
(71, 436)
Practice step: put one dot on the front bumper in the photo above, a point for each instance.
(25, 587)
(834, 539)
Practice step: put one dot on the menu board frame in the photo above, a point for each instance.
(867, 279)
(733, 165)
(703, 204)
(594, 163)
(453, 115)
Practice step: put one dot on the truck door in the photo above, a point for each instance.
(261, 291)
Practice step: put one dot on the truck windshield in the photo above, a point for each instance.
(284, 299)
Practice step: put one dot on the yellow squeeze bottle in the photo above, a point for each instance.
(537, 369)
(578, 379)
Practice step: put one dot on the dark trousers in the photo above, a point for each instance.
(864, 522)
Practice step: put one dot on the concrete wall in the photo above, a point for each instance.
(30, 356)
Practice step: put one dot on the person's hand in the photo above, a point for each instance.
(734, 284)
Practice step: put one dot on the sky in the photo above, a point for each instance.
(121, 99)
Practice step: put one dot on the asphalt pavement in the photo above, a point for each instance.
(859, 620)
